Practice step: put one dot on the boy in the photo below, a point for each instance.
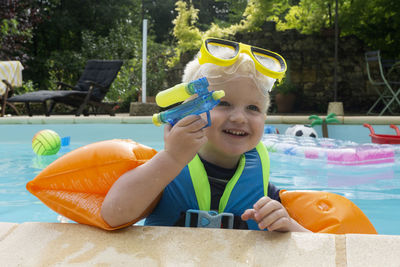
(223, 167)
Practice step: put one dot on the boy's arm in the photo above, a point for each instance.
(271, 214)
(134, 192)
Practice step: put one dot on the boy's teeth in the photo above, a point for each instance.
(235, 132)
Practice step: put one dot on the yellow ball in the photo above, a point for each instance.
(46, 142)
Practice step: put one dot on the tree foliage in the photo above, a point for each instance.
(18, 19)
(376, 22)
(55, 38)
(58, 40)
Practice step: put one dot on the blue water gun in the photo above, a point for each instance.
(204, 102)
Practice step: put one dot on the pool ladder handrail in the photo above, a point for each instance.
(373, 132)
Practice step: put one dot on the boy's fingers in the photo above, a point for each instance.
(167, 129)
(262, 202)
(279, 225)
(268, 209)
(271, 218)
(197, 125)
(186, 121)
(248, 214)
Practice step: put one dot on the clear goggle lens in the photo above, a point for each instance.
(267, 61)
(225, 51)
(221, 51)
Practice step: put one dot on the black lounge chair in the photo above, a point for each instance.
(90, 90)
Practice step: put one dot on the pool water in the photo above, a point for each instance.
(373, 188)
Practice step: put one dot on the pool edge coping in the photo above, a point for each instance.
(126, 119)
(326, 249)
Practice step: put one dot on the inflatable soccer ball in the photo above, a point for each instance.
(301, 130)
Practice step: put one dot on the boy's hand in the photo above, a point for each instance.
(271, 214)
(185, 138)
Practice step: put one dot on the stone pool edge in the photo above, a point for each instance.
(60, 244)
(126, 119)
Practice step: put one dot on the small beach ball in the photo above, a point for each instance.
(46, 142)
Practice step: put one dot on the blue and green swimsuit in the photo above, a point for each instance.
(191, 190)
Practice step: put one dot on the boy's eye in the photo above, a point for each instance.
(253, 107)
(223, 103)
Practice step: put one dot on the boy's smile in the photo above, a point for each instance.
(237, 123)
(235, 132)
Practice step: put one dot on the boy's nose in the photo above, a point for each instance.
(237, 116)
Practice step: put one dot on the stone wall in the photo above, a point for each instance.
(311, 60)
(311, 65)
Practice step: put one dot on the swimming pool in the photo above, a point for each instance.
(375, 189)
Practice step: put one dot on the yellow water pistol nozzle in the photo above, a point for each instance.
(218, 94)
(156, 119)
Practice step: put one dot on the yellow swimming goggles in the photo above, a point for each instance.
(225, 53)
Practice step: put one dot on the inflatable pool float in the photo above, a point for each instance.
(75, 186)
(384, 138)
(331, 151)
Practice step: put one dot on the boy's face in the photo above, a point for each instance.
(237, 122)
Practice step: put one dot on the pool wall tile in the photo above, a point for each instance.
(137, 119)
(273, 119)
(14, 120)
(58, 120)
(382, 120)
(125, 118)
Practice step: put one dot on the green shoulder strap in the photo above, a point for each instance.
(263, 152)
(200, 183)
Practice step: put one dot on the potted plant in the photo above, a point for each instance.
(285, 96)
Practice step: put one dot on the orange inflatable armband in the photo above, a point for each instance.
(324, 212)
(76, 184)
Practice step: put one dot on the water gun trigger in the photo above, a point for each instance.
(208, 120)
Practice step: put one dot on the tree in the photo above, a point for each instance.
(18, 18)
(160, 14)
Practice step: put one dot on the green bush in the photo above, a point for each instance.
(26, 87)
(285, 87)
